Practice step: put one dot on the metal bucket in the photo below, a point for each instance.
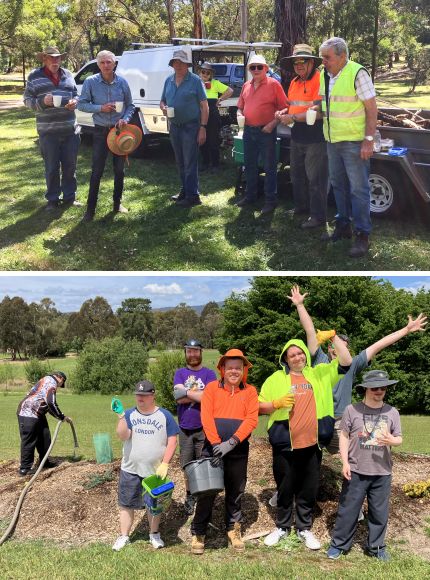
(203, 478)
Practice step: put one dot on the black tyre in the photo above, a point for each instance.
(142, 149)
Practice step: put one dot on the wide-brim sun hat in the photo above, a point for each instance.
(375, 379)
(257, 59)
(50, 51)
(233, 353)
(300, 51)
(125, 140)
(180, 55)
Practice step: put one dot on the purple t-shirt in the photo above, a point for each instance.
(189, 413)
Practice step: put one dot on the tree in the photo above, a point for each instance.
(95, 319)
(211, 320)
(175, 326)
(16, 325)
(49, 325)
(290, 18)
(136, 319)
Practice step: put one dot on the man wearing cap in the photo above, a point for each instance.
(149, 435)
(100, 93)
(189, 384)
(368, 431)
(33, 426)
(259, 100)
(229, 415)
(350, 112)
(56, 125)
(308, 153)
(184, 94)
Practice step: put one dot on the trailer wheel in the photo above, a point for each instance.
(385, 192)
(141, 150)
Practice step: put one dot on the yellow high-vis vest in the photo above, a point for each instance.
(346, 118)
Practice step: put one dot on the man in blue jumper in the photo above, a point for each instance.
(56, 125)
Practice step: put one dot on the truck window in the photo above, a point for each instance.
(220, 70)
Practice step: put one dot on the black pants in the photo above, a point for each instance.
(297, 477)
(210, 149)
(34, 434)
(235, 469)
(100, 153)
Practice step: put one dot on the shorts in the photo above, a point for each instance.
(333, 446)
(130, 491)
(190, 445)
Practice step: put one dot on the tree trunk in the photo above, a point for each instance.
(375, 40)
(198, 29)
(23, 69)
(172, 32)
(243, 21)
(290, 18)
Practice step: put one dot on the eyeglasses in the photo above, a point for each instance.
(378, 389)
(205, 72)
(256, 67)
(299, 61)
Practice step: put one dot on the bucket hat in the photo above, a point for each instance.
(50, 51)
(374, 379)
(180, 55)
(207, 66)
(125, 140)
(144, 388)
(300, 51)
(257, 59)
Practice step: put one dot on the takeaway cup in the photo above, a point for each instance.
(241, 121)
(118, 106)
(311, 115)
(56, 99)
(170, 112)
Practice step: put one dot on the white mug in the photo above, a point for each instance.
(56, 99)
(170, 112)
(311, 116)
(241, 121)
(119, 106)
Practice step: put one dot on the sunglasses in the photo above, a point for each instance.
(256, 67)
(378, 389)
(205, 72)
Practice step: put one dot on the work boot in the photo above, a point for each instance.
(235, 539)
(197, 544)
(340, 231)
(360, 247)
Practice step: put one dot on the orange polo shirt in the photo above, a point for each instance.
(260, 105)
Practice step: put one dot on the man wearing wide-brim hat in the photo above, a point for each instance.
(368, 431)
(51, 92)
(185, 103)
(308, 155)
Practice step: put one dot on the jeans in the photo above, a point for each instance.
(349, 176)
(60, 150)
(100, 153)
(309, 176)
(184, 143)
(257, 144)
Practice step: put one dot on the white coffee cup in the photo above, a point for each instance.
(241, 121)
(311, 116)
(170, 112)
(119, 106)
(56, 99)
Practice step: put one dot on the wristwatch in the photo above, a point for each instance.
(369, 137)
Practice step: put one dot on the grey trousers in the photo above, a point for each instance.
(309, 175)
(377, 488)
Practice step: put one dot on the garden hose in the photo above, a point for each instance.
(28, 485)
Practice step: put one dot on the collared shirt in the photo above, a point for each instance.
(363, 84)
(96, 92)
(260, 104)
(54, 78)
(185, 98)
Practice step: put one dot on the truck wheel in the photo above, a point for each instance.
(385, 192)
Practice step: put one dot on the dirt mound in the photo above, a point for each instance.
(76, 503)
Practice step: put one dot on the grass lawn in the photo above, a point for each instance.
(156, 235)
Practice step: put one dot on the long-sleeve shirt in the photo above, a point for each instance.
(225, 414)
(49, 119)
(41, 399)
(97, 92)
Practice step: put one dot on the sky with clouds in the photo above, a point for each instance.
(70, 291)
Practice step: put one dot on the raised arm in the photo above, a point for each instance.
(298, 300)
(343, 355)
(417, 325)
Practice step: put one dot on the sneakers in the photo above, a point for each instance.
(189, 504)
(360, 247)
(71, 203)
(273, 538)
(379, 553)
(120, 543)
(51, 205)
(309, 539)
(234, 538)
(312, 223)
(197, 544)
(273, 501)
(189, 201)
(334, 553)
(178, 197)
(340, 231)
(268, 208)
(120, 209)
(24, 472)
(245, 201)
(155, 541)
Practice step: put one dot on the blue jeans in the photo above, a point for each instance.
(349, 176)
(184, 143)
(60, 151)
(256, 145)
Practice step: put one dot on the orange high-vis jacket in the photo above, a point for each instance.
(304, 94)
(225, 414)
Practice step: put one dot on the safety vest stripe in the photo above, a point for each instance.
(302, 103)
(343, 114)
(338, 99)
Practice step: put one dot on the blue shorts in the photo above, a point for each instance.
(130, 491)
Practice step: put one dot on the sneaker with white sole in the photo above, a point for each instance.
(273, 501)
(120, 543)
(156, 541)
(273, 538)
(309, 539)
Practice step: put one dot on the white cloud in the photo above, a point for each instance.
(163, 289)
(413, 288)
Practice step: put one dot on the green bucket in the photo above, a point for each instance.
(103, 447)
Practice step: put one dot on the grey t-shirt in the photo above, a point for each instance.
(342, 391)
(143, 452)
(364, 425)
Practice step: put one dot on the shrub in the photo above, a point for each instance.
(35, 369)
(110, 366)
(417, 489)
(161, 373)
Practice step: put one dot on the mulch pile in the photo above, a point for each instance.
(62, 507)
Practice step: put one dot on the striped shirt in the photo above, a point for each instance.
(96, 92)
(50, 119)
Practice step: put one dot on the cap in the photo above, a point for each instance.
(60, 374)
(193, 343)
(144, 388)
